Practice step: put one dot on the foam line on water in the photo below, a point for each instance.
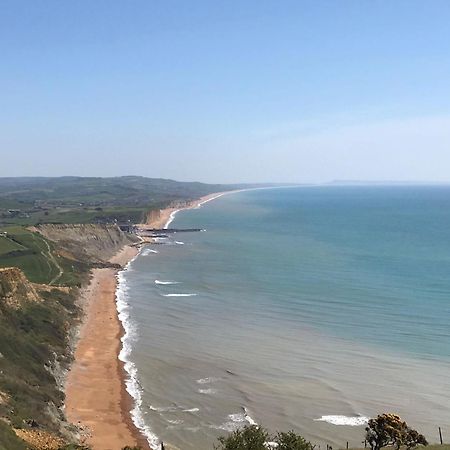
(236, 421)
(179, 295)
(166, 282)
(132, 381)
(207, 380)
(199, 205)
(171, 218)
(207, 391)
(352, 421)
(148, 251)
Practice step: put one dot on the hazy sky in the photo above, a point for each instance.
(226, 91)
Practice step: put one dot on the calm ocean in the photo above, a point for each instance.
(303, 308)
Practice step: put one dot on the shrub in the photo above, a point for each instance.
(292, 441)
(257, 438)
(390, 429)
(247, 438)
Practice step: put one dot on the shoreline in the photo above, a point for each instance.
(167, 215)
(99, 385)
(97, 400)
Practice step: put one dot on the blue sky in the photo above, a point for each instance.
(226, 91)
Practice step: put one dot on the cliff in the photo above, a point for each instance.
(15, 289)
(87, 242)
(34, 351)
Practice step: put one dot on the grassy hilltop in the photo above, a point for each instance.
(27, 201)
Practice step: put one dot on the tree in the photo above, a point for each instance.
(247, 438)
(257, 438)
(390, 429)
(292, 441)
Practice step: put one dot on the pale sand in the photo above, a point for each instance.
(164, 214)
(96, 398)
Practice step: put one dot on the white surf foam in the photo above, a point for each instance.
(171, 218)
(179, 243)
(163, 408)
(191, 410)
(200, 204)
(175, 421)
(179, 295)
(248, 418)
(166, 282)
(207, 391)
(352, 421)
(148, 251)
(207, 380)
(236, 421)
(237, 418)
(132, 382)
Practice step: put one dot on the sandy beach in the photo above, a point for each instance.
(165, 215)
(96, 399)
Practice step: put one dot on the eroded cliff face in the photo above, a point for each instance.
(15, 289)
(89, 242)
(35, 322)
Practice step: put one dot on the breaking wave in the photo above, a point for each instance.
(133, 386)
(166, 282)
(352, 421)
(179, 295)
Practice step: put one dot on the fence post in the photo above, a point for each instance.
(347, 445)
(440, 435)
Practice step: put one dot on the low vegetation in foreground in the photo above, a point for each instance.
(386, 430)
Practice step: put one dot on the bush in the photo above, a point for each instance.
(257, 438)
(292, 441)
(390, 429)
(247, 438)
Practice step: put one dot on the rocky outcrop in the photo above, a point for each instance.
(87, 242)
(15, 288)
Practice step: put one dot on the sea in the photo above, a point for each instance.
(306, 308)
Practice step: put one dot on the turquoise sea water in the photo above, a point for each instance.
(294, 305)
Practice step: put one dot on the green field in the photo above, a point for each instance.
(36, 257)
(29, 201)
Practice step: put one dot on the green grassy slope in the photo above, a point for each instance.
(35, 256)
(8, 439)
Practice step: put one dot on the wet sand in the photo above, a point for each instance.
(96, 399)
